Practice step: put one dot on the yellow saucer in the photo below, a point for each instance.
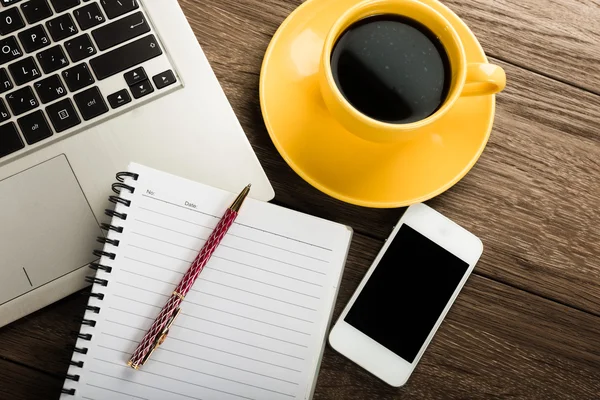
(339, 163)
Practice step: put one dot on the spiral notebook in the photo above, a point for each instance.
(252, 327)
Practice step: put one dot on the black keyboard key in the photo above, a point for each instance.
(5, 83)
(34, 38)
(61, 27)
(4, 114)
(9, 2)
(78, 77)
(125, 57)
(88, 16)
(9, 50)
(164, 79)
(116, 8)
(119, 98)
(121, 31)
(36, 10)
(63, 115)
(80, 47)
(24, 71)
(62, 5)
(90, 103)
(22, 100)
(34, 127)
(52, 59)
(135, 76)
(142, 89)
(10, 140)
(50, 89)
(10, 21)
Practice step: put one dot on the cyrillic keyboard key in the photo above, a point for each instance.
(4, 114)
(90, 103)
(52, 59)
(78, 77)
(50, 89)
(135, 76)
(80, 47)
(88, 16)
(35, 127)
(121, 31)
(22, 100)
(36, 10)
(119, 98)
(34, 38)
(63, 115)
(125, 57)
(61, 27)
(9, 50)
(10, 141)
(24, 71)
(10, 21)
(164, 79)
(62, 5)
(5, 83)
(115, 8)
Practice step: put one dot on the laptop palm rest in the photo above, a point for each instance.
(47, 228)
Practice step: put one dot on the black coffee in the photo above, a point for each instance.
(391, 68)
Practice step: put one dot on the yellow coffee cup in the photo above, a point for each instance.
(466, 79)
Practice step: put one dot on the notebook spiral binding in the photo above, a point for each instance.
(101, 268)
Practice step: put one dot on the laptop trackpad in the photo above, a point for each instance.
(47, 228)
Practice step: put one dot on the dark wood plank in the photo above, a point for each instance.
(556, 37)
(532, 198)
(44, 339)
(497, 342)
(21, 383)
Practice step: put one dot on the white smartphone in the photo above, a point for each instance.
(405, 295)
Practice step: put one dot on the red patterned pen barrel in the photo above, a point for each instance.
(160, 328)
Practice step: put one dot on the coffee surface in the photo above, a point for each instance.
(391, 68)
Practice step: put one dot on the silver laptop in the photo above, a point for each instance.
(86, 87)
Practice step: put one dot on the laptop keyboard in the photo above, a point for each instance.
(69, 64)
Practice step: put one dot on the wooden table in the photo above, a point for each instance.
(527, 324)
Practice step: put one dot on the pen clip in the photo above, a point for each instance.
(162, 337)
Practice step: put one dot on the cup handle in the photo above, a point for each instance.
(484, 79)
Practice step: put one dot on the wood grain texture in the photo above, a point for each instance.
(21, 383)
(497, 342)
(555, 37)
(533, 197)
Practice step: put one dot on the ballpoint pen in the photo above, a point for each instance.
(159, 330)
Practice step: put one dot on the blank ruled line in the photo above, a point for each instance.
(162, 349)
(211, 335)
(87, 398)
(228, 273)
(205, 280)
(228, 234)
(115, 391)
(140, 288)
(257, 294)
(258, 308)
(237, 223)
(236, 262)
(197, 371)
(218, 297)
(171, 337)
(216, 256)
(141, 384)
(251, 319)
(245, 330)
(217, 323)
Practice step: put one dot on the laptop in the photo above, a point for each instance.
(86, 87)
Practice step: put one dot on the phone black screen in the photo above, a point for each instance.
(406, 293)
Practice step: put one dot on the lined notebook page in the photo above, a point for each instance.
(254, 324)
